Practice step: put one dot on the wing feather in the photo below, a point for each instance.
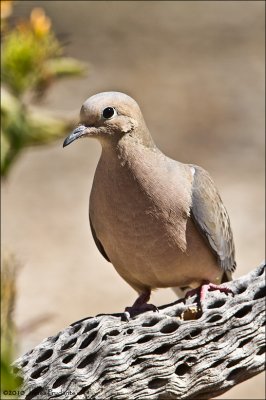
(211, 218)
(97, 242)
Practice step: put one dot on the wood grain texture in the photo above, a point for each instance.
(175, 353)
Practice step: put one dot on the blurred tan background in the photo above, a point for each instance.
(197, 71)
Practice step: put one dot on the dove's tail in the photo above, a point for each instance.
(227, 277)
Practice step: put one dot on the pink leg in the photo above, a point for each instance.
(204, 288)
(211, 286)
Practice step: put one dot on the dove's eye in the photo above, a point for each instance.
(109, 112)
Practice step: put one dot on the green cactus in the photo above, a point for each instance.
(32, 59)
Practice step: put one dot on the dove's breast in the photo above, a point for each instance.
(139, 208)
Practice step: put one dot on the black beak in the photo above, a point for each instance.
(78, 132)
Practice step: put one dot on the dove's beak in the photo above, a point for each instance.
(81, 130)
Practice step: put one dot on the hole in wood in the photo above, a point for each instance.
(90, 326)
(127, 347)
(115, 332)
(76, 328)
(107, 381)
(24, 363)
(234, 373)
(83, 390)
(243, 342)
(68, 358)
(69, 344)
(87, 360)
(44, 356)
(215, 318)
(130, 331)
(243, 311)
(241, 289)
(191, 361)
(39, 372)
(217, 304)
(137, 361)
(169, 328)
(261, 351)
(88, 340)
(260, 293)
(54, 339)
(145, 339)
(182, 369)
(217, 363)
(157, 383)
(35, 392)
(151, 322)
(233, 363)
(194, 332)
(218, 337)
(60, 381)
(163, 349)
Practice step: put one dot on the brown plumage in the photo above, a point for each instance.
(161, 223)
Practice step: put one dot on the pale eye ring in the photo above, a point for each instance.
(109, 112)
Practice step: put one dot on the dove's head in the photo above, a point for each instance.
(110, 116)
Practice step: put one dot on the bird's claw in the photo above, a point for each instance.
(125, 316)
(133, 310)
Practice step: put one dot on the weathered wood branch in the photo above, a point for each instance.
(155, 355)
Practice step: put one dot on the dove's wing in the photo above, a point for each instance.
(212, 220)
(97, 242)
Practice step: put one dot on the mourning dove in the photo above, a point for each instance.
(161, 223)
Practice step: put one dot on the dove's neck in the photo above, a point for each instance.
(128, 150)
(142, 135)
(131, 157)
(137, 138)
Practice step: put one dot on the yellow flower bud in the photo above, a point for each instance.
(6, 8)
(40, 23)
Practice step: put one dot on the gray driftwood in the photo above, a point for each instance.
(156, 355)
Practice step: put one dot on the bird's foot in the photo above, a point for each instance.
(203, 289)
(140, 306)
(132, 311)
(210, 287)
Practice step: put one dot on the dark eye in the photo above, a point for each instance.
(109, 112)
